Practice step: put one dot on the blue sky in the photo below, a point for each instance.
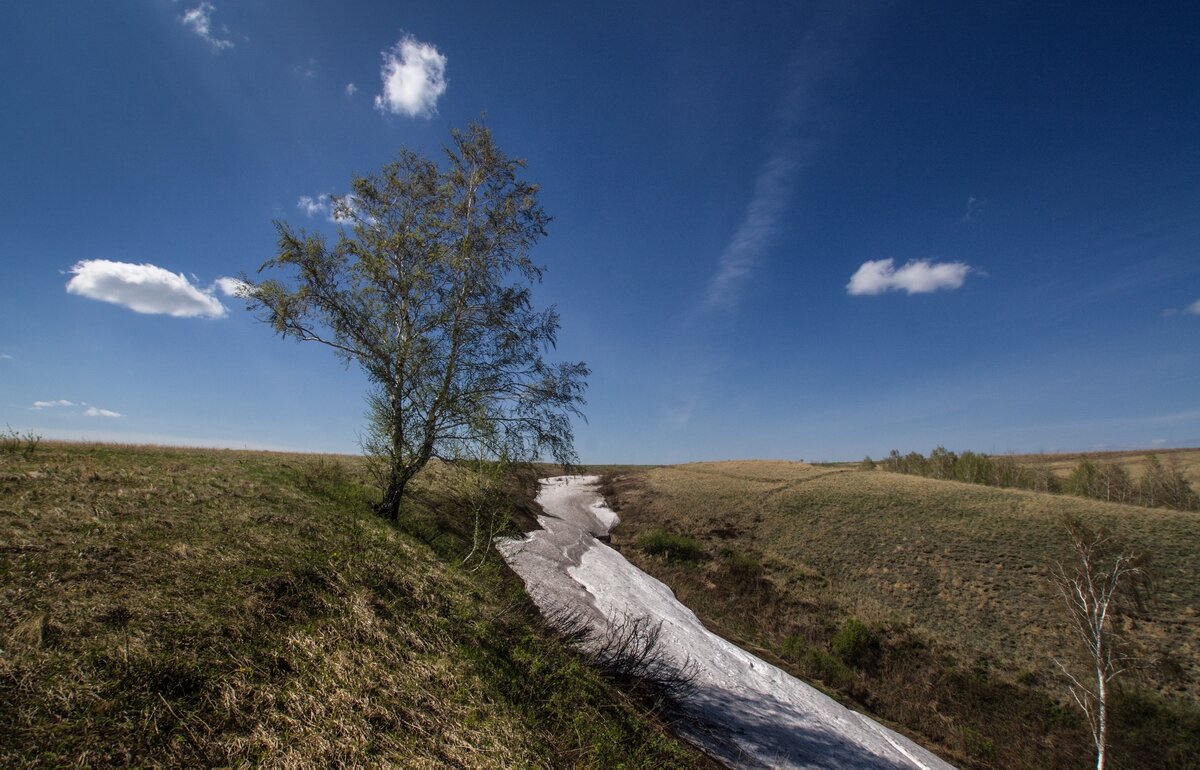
(780, 230)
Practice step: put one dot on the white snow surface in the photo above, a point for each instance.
(742, 710)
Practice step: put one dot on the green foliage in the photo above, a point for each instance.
(826, 668)
(428, 290)
(741, 566)
(854, 643)
(978, 745)
(671, 547)
(867, 464)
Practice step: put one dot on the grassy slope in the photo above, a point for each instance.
(951, 579)
(212, 608)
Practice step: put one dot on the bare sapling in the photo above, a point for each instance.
(1100, 581)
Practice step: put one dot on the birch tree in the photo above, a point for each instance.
(428, 290)
(1101, 581)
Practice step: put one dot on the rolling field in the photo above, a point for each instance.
(949, 578)
(1132, 461)
(204, 608)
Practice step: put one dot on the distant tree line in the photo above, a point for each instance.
(1162, 485)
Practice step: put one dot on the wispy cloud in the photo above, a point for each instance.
(307, 70)
(1192, 309)
(5, 357)
(678, 413)
(772, 189)
(39, 405)
(64, 404)
(318, 206)
(414, 78)
(877, 276)
(795, 137)
(144, 288)
(973, 210)
(199, 21)
(351, 89)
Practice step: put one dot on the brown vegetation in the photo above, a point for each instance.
(201, 608)
(926, 602)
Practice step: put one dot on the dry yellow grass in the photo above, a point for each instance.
(961, 565)
(201, 608)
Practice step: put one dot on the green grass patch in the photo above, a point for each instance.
(671, 547)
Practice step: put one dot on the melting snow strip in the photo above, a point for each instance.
(748, 713)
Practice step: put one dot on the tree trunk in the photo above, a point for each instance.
(389, 506)
(1101, 719)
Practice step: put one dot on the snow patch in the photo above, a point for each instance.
(748, 713)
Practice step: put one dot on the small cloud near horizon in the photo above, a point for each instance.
(199, 21)
(877, 276)
(38, 405)
(414, 78)
(145, 288)
(91, 411)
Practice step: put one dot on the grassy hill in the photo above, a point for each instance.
(923, 601)
(192, 608)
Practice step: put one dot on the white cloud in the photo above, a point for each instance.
(313, 206)
(1193, 308)
(199, 21)
(52, 404)
(877, 276)
(143, 289)
(413, 78)
(351, 89)
(91, 411)
(326, 205)
(233, 287)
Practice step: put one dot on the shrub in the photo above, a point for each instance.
(671, 547)
(978, 745)
(828, 669)
(854, 643)
(25, 444)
